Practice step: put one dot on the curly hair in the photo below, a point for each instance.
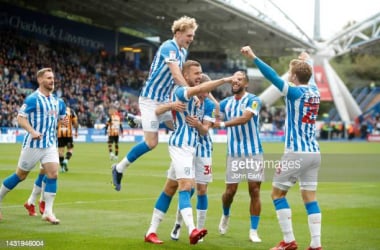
(184, 23)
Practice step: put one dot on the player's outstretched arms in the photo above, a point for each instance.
(207, 86)
(177, 106)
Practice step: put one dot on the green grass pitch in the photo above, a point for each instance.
(94, 216)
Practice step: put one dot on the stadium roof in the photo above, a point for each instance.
(222, 27)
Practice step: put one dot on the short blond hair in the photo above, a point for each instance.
(184, 23)
(42, 71)
(188, 64)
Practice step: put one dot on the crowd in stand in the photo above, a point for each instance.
(89, 82)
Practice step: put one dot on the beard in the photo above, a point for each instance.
(237, 91)
(49, 87)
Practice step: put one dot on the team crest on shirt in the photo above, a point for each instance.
(255, 104)
(172, 56)
(213, 113)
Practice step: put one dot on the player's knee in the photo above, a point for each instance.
(254, 191)
(308, 195)
(151, 143)
(51, 171)
(201, 189)
(278, 194)
(255, 195)
(22, 174)
(52, 174)
(170, 191)
(230, 192)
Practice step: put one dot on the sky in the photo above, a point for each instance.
(335, 14)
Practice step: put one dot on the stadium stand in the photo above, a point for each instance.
(89, 82)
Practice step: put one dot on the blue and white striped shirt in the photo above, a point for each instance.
(160, 81)
(207, 113)
(302, 105)
(242, 140)
(183, 134)
(42, 113)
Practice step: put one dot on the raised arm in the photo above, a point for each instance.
(306, 57)
(265, 69)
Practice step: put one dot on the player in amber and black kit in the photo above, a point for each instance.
(65, 138)
(114, 129)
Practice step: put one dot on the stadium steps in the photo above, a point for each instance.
(362, 95)
(372, 102)
(369, 97)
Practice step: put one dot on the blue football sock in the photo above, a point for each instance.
(312, 208)
(51, 185)
(226, 211)
(137, 151)
(44, 179)
(163, 202)
(39, 179)
(11, 181)
(202, 202)
(184, 199)
(255, 221)
(281, 203)
(192, 192)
